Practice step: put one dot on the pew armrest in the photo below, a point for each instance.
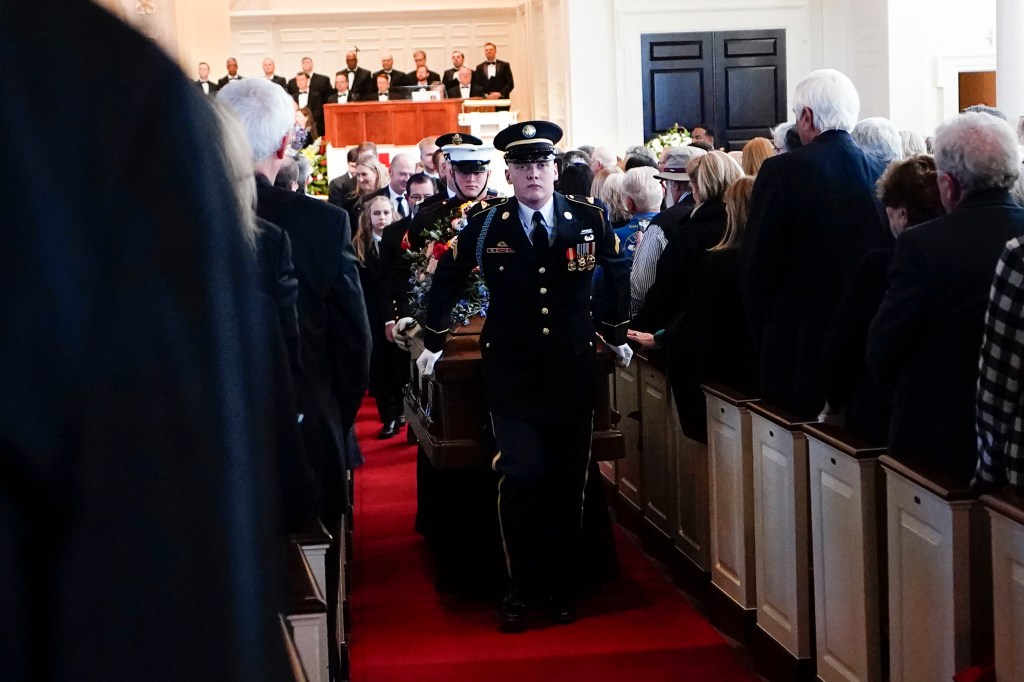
(727, 393)
(1008, 502)
(779, 415)
(843, 441)
(944, 487)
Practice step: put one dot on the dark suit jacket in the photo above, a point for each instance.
(332, 319)
(213, 87)
(432, 77)
(318, 83)
(530, 373)
(848, 383)
(352, 97)
(225, 80)
(316, 105)
(924, 343)
(502, 81)
(450, 77)
(340, 188)
(362, 83)
(393, 94)
(688, 246)
(474, 91)
(396, 271)
(397, 78)
(813, 216)
(139, 506)
(710, 341)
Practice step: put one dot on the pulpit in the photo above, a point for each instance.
(401, 122)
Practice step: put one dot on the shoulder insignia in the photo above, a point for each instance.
(483, 204)
(584, 201)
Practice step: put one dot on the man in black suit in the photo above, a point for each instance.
(494, 75)
(537, 252)
(232, 75)
(134, 358)
(464, 87)
(342, 93)
(205, 84)
(360, 82)
(419, 57)
(395, 78)
(268, 73)
(451, 76)
(318, 82)
(924, 342)
(813, 216)
(385, 91)
(333, 323)
(402, 168)
(306, 96)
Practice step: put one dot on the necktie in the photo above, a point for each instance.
(539, 236)
(400, 206)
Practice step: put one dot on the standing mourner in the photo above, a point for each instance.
(537, 252)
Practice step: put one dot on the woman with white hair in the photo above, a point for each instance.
(710, 175)
(879, 138)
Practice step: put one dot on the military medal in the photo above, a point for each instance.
(570, 253)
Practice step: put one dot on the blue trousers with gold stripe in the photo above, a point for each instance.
(543, 469)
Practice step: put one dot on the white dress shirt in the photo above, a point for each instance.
(547, 213)
(303, 99)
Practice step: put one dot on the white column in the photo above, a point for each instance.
(1010, 58)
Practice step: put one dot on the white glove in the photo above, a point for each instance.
(623, 354)
(425, 362)
(401, 332)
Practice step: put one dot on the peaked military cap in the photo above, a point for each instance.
(465, 152)
(528, 141)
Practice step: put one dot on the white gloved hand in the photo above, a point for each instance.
(425, 362)
(401, 332)
(623, 354)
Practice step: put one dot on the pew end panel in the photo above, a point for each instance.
(629, 500)
(732, 597)
(307, 617)
(848, 603)
(1006, 511)
(782, 534)
(939, 582)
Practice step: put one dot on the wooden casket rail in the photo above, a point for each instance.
(451, 421)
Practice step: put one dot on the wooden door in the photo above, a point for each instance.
(732, 81)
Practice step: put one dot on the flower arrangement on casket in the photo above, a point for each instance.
(317, 155)
(673, 137)
(438, 240)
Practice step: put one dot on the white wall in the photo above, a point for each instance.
(929, 44)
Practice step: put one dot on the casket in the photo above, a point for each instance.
(448, 416)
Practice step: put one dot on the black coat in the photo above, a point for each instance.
(455, 91)
(316, 104)
(925, 341)
(710, 341)
(318, 83)
(340, 188)
(395, 270)
(538, 342)
(139, 505)
(683, 253)
(279, 80)
(332, 318)
(225, 79)
(848, 383)
(353, 96)
(432, 77)
(502, 81)
(363, 83)
(213, 87)
(397, 79)
(813, 216)
(450, 77)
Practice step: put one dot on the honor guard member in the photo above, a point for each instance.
(468, 160)
(537, 252)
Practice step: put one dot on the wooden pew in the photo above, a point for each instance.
(629, 497)
(657, 470)
(939, 565)
(609, 468)
(294, 664)
(732, 597)
(692, 519)
(783, 637)
(1006, 511)
(314, 541)
(307, 616)
(846, 509)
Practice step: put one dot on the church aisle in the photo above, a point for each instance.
(638, 628)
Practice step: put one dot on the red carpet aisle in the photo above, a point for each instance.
(639, 629)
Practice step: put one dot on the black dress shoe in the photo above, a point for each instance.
(390, 430)
(513, 612)
(562, 612)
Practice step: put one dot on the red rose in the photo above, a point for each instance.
(440, 249)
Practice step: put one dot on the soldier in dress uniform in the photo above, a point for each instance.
(537, 252)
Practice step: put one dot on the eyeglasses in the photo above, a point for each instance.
(419, 197)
